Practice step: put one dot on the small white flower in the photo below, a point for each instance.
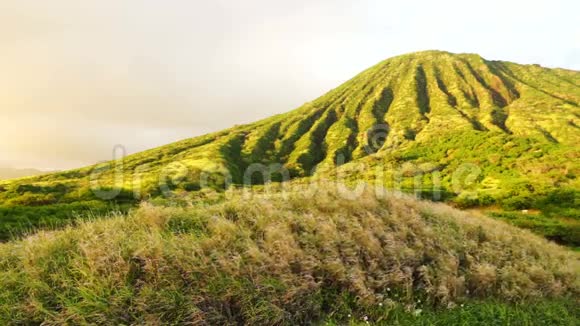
(380, 304)
(365, 318)
(417, 312)
(349, 316)
(462, 305)
(388, 289)
(419, 301)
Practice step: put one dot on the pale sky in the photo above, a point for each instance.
(79, 77)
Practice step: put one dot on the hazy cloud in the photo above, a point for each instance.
(78, 77)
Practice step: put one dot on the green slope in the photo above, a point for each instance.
(410, 115)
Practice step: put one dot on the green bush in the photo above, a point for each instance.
(518, 202)
(19, 220)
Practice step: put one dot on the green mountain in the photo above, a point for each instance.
(452, 127)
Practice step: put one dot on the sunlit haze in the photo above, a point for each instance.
(79, 77)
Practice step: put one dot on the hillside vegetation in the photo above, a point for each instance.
(286, 259)
(431, 116)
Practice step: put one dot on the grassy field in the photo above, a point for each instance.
(306, 256)
(483, 313)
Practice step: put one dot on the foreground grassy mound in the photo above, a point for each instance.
(286, 259)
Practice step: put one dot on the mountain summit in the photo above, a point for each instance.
(416, 97)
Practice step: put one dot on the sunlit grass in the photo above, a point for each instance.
(295, 259)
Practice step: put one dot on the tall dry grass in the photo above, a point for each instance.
(274, 260)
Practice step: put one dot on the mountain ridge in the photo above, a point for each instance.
(7, 173)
